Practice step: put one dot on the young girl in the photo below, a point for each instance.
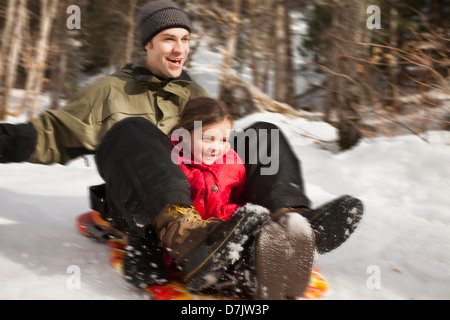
(217, 177)
(215, 172)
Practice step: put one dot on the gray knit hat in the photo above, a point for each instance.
(157, 16)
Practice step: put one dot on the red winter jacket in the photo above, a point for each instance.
(216, 190)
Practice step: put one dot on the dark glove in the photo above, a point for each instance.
(2, 146)
(17, 142)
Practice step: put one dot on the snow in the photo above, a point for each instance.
(296, 224)
(401, 249)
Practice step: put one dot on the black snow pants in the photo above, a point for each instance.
(134, 159)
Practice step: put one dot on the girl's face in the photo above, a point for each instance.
(213, 142)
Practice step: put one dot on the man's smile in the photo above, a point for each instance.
(175, 61)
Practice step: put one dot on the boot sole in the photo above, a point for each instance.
(334, 222)
(204, 265)
(271, 257)
(284, 262)
(300, 259)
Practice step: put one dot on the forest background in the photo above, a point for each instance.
(368, 67)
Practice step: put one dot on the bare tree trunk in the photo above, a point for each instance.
(38, 65)
(391, 95)
(290, 99)
(254, 50)
(13, 54)
(58, 75)
(269, 52)
(230, 47)
(438, 13)
(229, 52)
(344, 82)
(120, 56)
(59, 57)
(10, 17)
(129, 47)
(283, 82)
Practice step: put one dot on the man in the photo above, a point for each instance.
(124, 119)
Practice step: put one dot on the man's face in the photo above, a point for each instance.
(167, 53)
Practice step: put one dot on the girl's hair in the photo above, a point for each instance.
(207, 110)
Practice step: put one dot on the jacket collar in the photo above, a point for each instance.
(142, 74)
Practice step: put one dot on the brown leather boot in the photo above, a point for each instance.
(203, 249)
(181, 228)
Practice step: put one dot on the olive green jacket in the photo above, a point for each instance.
(79, 127)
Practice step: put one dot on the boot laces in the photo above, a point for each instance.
(190, 213)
